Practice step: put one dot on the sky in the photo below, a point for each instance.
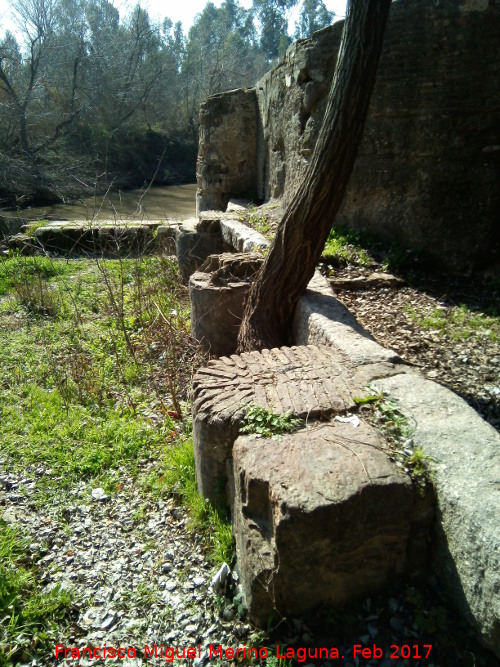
(180, 10)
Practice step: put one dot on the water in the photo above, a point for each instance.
(158, 203)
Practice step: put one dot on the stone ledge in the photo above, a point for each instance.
(102, 236)
(465, 469)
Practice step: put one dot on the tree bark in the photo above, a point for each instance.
(305, 226)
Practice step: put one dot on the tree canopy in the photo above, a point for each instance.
(90, 95)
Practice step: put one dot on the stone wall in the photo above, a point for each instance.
(428, 169)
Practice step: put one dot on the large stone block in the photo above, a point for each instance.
(465, 471)
(218, 292)
(320, 515)
(306, 381)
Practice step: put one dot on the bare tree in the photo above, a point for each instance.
(308, 219)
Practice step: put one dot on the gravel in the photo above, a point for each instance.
(139, 577)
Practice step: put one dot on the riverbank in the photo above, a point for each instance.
(152, 203)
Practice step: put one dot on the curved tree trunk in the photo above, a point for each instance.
(305, 226)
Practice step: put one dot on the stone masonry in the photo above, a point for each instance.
(278, 492)
(428, 168)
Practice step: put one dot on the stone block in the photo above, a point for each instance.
(165, 239)
(305, 381)
(320, 516)
(194, 242)
(218, 292)
(68, 237)
(321, 319)
(465, 471)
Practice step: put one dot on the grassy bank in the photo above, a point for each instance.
(95, 364)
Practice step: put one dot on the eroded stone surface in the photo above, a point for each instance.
(465, 467)
(218, 291)
(321, 319)
(306, 381)
(320, 515)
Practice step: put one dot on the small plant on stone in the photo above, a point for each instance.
(398, 431)
(418, 462)
(33, 226)
(264, 422)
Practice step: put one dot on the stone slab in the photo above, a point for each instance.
(241, 237)
(320, 319)
(320, 516)
(107, 236)
(465, 469)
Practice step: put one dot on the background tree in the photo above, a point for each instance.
(313, 16)
(91, 97)
(272, 16)
(305, 226)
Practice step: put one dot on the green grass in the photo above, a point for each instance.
(458, 322)
(94, 355)
(29, 618)
(18, 268)
(345, 246)
(178, 477)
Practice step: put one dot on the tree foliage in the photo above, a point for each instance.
(90, 96)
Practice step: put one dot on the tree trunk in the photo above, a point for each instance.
(305, 226)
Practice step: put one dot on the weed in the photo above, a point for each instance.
(398, 431)
(274, 661)
(29, 618)
(179, 478)
(86, 396)
(418, 462)
(33, 226)
(264, 422)
(343, 247)
(257, 220)
(457, 322)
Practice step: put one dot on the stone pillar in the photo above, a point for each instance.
(226, 166)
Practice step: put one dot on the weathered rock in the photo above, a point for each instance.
(165, 238)
(465, 470)
(241, 237)
(375, 279)
(109, 237)
(305, 381)
(320, 515)
(320, 319)
(68, 237)
(127, 239)
(221, 146)
(195, 240)
(218, 292)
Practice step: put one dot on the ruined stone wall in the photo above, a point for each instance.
(227, 150)
(428, 172)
